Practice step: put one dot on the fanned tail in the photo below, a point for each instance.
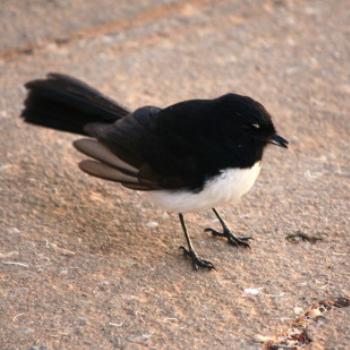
(64, 103)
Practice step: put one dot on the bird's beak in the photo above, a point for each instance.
(278, 141)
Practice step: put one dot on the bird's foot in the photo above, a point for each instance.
(197, 261)
(231, 238)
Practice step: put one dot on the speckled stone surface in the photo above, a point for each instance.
(85, 264)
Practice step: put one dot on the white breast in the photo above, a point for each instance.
(229, 186)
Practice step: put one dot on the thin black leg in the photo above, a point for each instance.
(226, 232)
(197, 261)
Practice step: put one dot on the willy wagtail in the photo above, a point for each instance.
(189, 156)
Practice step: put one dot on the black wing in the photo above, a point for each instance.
(132, 152)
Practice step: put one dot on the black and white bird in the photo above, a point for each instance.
(190, 156)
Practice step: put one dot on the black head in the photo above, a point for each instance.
(246, 129)
(249, 120)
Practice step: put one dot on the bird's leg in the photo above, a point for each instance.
(226, 232)
(197, 261)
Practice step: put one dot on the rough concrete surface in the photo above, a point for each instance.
(85, 264)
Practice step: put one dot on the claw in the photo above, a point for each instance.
(239, 242)
(231, 238)
(197, 261)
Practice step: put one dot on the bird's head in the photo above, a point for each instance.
(249, 121)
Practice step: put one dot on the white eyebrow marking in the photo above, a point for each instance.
(256, 125)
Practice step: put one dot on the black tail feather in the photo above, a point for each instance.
(65, 103)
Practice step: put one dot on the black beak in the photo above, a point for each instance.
(278, 141)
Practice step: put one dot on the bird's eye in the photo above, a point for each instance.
(255, 125)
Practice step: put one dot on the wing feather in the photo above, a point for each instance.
(97, 150)
(106, 172)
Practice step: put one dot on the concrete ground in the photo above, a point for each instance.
(85, 264)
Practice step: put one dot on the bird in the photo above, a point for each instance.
(190, 156)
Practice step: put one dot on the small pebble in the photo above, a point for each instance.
(165, 216)
(314, 313)
(139, 339)
(252, 291)
(152, 224)
(298, 310)
(259, 338)
(13, 230)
